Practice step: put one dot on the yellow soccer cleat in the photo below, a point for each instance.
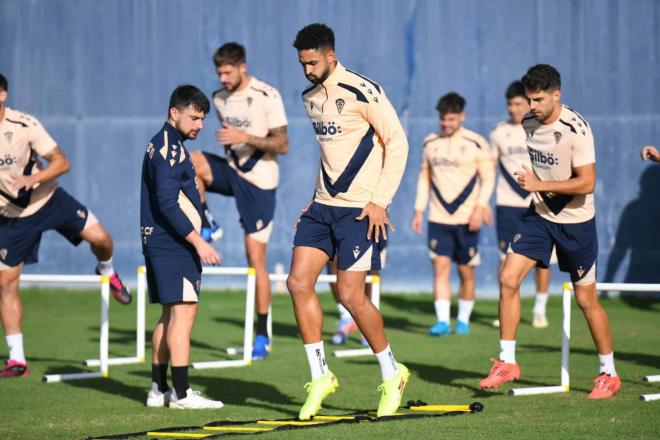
(392, 392)
(317, 390)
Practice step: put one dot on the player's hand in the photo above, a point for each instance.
(228, 135)
(488, 215)
(650, 152)
(302, 211)
(528, 180)
(20, 182)
(417, 221)
(207, 253)
(476, 219)
(378, 221)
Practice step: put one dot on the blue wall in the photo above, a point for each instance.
(99, 74)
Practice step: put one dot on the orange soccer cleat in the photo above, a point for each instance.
(605, 386)
(500, 373)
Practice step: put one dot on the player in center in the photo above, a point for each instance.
(363, 156)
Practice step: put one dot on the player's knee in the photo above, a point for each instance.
(587, 303)
(509, 281)
(297, 285)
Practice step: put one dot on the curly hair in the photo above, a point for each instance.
(315, 36)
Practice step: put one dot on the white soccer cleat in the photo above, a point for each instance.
(156, 399)
(193, 400)
(539, 321)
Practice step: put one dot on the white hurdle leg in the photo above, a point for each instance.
(140, 329)
(103, 343)
(565, 348)
(249, 318)
(654, 378)
(375, 299)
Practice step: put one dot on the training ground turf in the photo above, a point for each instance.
(61, 329)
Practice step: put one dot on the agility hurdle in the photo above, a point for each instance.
(250, 289)
(564, 386)
(374, 280)
(104, 281)
(140, 327)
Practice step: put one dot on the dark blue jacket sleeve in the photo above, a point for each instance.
(167, 182)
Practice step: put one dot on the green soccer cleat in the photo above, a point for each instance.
(317, 390)
(392, 392)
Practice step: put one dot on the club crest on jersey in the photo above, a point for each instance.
(356, 252)
(249, 101)
(81, 213)
(557, 137)
(3, 253)
(340, 104)
(9, 136)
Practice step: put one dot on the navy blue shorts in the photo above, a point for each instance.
(576, 244)
(335, 231)
(173, 278)
(508, 220)
(455, 242)
(256, 206)
(20, 237)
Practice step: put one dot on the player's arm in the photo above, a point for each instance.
(422, 196)
(58, 164)
(583, 181)
(486, 169)
(276, 141)
(383, 118)
(168, 186)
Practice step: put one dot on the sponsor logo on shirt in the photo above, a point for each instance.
(444, 162)
(515, 150)
(326, 128)
(7, 160)
(541, 159)
(237, 122)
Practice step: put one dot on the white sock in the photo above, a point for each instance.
(540, 302)
(343, 313)
(105, 267)
(15, 344)
(465, 309)
(607, 364)
(316, 359)
(387, 363)
(442, 309)
(508, 351)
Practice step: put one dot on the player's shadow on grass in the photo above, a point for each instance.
(126, 338)
(643, 359)
(108, 385)
(424, 307)
(280, 329)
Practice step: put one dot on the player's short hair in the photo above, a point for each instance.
(542, 77)
(315, 36)
(452, 102)
(515, 89)
(229, 53)
(186, 95)
(4, 84)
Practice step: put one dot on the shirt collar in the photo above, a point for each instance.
(335, 76)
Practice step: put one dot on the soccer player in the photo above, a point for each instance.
(253, 133)
(170, 221)
(650, 152)
(31, 202)
(562, 179)
(457, 168)
(363, 156)
(508, 141)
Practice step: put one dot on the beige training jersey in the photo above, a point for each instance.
(256, 109)
(508, 142)
(22, 140)
(555, 150)
(459, 173)
(363, 146)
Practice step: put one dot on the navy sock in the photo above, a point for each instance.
(159, 376)
(262, 324)
(180, 381)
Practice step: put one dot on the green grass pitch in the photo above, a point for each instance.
(61, 329)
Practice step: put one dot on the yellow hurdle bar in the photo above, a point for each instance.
(236, 429)
(465, 408)
(177, 434)
(288, 422)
